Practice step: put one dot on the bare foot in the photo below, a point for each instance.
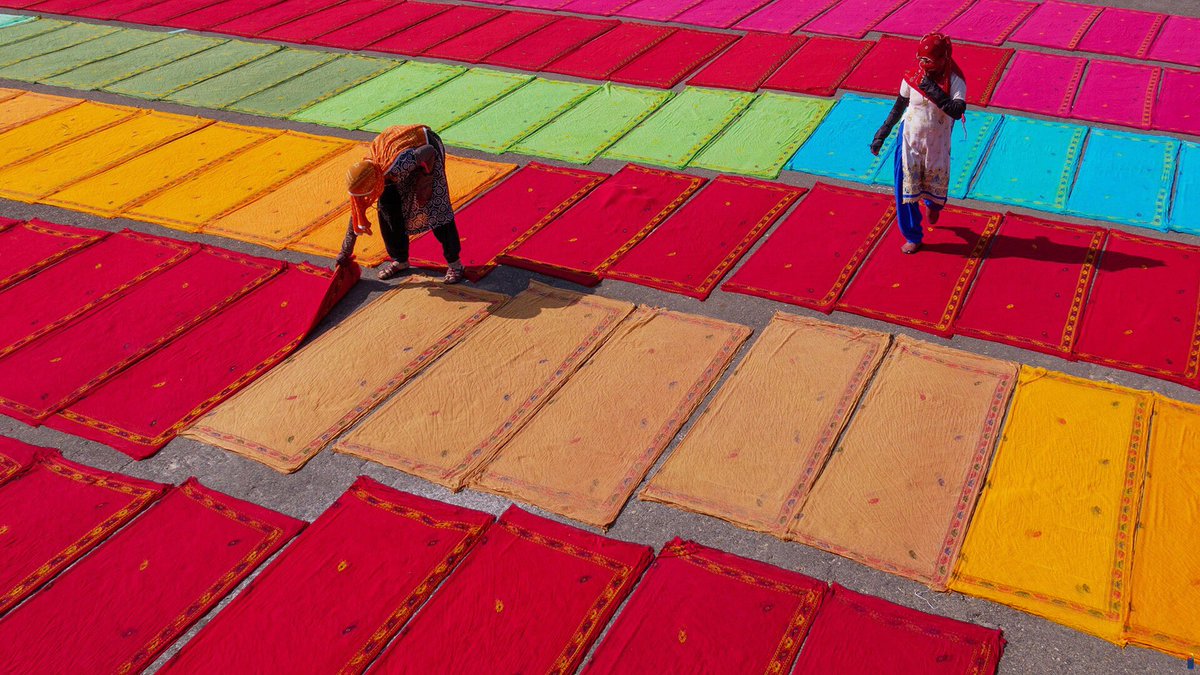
(910, 248)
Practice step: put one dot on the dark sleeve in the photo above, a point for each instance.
(893, 117)
(954, 107)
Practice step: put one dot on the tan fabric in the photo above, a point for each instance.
(755, 451)
(584, 453)
(450, 421)
(287, 416)
(18, 110)
(899, 488)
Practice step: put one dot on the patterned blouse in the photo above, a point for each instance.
(406, 175)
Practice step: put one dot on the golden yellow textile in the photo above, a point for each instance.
(71, 163)
(1166, 570)
(756, 450)
(900, 485)
(587, 450)
(1052, 534)
(451, 420)
(111, 192)
(236, 180)
(45, 133)
(287, 416)
(29, 106)
(280, 216)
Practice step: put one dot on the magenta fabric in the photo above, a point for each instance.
(109, 9)
(1118, 93)
(161, 13)
(921, 17)
(600, 7)
(221, 12)
(1122, 32)
(990, 21)
(1040, 83)
(719, 13)
(784, 16)
(657, 10)
(1059, 25)
(358, 35)
(853, 18)
(1177, 41)
(1178, 106)
(250, 25)
(308, 28)
(538, 4)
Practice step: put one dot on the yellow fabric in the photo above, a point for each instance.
(589, 448)
(756, 450)
(304, 202)
(236, 180)
(50, 131)
(287, 416)
(468, 178)
(900, 485)
(119, 188)
(449, 422)
(30, 181)
(17, 110)
(1052, 532)
(1166, 570)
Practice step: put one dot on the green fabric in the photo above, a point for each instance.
(500, 125)
(234, 85)
(39, 68)
(455, 100)
(117, 68)
(71, 35)
(185, 72)
(355, 107)
(316, 85)
(7, 20)
(22, 31)
(598, 121)
(681, 128)
(760, 142)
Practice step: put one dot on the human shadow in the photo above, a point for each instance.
(1035, 248)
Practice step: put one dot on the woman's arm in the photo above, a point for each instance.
(954, 107)
(894, 116)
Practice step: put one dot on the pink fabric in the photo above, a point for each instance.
(212, 15)
(921, 17)
(600, 7)
(159, 14)
(1122, 32)
(538, 4)
(719, 13)
(990, 21)
(358, 35)
(784, 16)
(1118, 93)
(308, 28)
(657, 10)
(1178, 107)
(1177, 41)
(1060, 25)
(1040, 83)
(853, 18)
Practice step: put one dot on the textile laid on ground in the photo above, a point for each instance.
(1041, 180)
(1176, 42)
(63, 38)
(453, 101)
(898, 497)
(1146, 165)
(926, 296)
(592, 125)
(101, 74)
(1118, 93)
(38, 68)
(1031, 288)
(784, 16)
(1058, 25)
(359, 105)
(703, 610)
(181, 73)
(920, 17)
(1163, 585)
(901, 640)
(178, 383)
(759, 142)
(547, 587)
(1041, 83)
(435, 30)
(55, 512)
(793, 266)
(667, 63)
(719, 13)
(1162, 337)
(748, 63)
(680, 129)
(582, 243)
(136, 594)
(853, 18)
(611, 51)
(360, 34)
(1173, 110)
(1185, 207)
(966, 153)
(537, 50)
(289, 415)
(990, 21)
(819, 67)
(695, 247)
(476, 44)
(759, 445)
(34, 245)
(442, 429)
(826, 152)
(883, 68)
(368, 563)
(1122, 32)
(504, 123)
(15, 458)
(29, 106)
(314, 86)
(590, 421)
(1058, 542)
(41, 135)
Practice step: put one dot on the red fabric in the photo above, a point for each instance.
(506, 215)
(159, 14)
(1041, 83)
(857, 633)
(56, 370)
(1118, 93)
(109, 9)
(35, 245)
(881, 71)
(477, 44)
(531, 597)
(1177, 105)
(820, 66)
(55, 513)
(81, 282)
(357, 35)
(610, 52)
(667, 63)
(64, 7)
(700, 610)
(308, 28)
(694, 248)
(332, 601)
(582, 243)
(141, 409)
(748, 63)
(1122, 32)
(535, 51)
(924, 291)
(143, 588)
(15, 458)
(1032, 285)
(250, 25)
(810, 257)
(445, 25)
(1142, 313)
(221, 12)
(1060, 25)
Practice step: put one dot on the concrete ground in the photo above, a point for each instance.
(1034, 645)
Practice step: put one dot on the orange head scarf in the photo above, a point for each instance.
(364, 180)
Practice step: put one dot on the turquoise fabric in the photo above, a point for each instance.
(1125, 178)
(965, 153)
(840, 147)
(1185, 209)
(1031, 163)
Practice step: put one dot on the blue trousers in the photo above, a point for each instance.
(908, 216)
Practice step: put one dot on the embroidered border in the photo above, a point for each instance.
(83, 241)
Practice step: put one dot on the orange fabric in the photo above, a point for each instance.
(383, 152)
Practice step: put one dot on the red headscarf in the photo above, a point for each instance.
(934, 46)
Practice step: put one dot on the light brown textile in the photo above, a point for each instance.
(584, 453)
(287, 416)
(899, 489)
(755, 451)
(451, 420)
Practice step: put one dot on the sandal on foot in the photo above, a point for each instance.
(392, 270)
(454, 275)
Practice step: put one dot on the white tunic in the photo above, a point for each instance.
(926, 144)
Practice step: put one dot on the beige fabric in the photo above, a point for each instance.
(899, 488)
(584, 453)
(449, 422)
(287, 416)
